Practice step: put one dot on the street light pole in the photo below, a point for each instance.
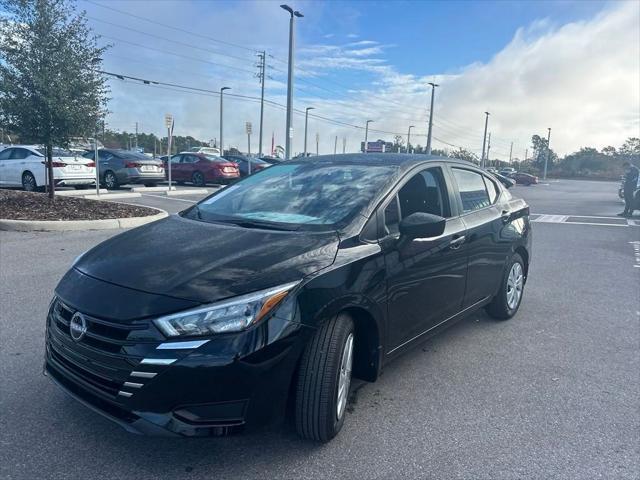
(306, 122)
(433, 90)
(409, 139)
(221, 118)
(546, 158)
(484, 140)
(366, 135)
(289, 131)
(263, 60)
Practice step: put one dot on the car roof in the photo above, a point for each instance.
(403, 160)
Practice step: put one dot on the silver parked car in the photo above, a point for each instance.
(119, 167)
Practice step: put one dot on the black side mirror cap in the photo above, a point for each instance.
(422, 225)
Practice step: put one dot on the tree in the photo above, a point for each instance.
(398, 142)
(51, 87)
(630, 148)
(463, 154)
(539, 145)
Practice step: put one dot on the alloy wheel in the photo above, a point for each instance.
(515, 282)
(29, 182)
(344, 379)
(110, 180)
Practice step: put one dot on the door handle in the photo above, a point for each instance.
(505, 216)
(457, 242)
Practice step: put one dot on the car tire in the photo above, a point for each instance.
(507, 302)
(29, 182)
(110, 180)
(197, 179)
(323, 380)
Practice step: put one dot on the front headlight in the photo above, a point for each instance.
(231, 315)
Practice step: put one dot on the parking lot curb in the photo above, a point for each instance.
(110, 196)
(79, 193)
(150, 189)
(193, 191)
(75, 225)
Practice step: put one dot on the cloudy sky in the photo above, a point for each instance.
(571, 66)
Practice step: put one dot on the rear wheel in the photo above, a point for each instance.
(110, 180)
(29, 182)
(324, 378)
(198, 179)
(507, 302)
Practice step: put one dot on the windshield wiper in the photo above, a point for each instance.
(264, 225)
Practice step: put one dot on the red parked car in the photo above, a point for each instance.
(201, 169)
(524, 178)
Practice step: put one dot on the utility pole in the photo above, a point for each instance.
(306, 123)
(366, 135)
(526, 153)
(136, 135)
(221, 118)
(409, 139)
(433, 89)
(262, 65)
(289, 130)
(489, 148)
(344, 144)
(484, 139)
(546, 158)
(510, 152)
(317, 144)
(335, 146)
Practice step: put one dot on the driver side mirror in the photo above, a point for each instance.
(422, 225)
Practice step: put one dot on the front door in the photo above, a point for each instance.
(425, 276)
(484, 221)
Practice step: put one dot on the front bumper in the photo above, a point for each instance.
(231, 381)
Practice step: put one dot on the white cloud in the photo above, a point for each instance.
(582, 79)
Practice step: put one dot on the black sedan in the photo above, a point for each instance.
(281, 286)
(247, 165)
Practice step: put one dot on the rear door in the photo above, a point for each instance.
(477, 197)
(6, 176)
(425, 276)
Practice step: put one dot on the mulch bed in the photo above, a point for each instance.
(37, 206)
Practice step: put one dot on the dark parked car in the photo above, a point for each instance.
(201, 169)
(272, 160)
(522, 178)
(243, 164)
(506, 181)
(119, 167)
(279, 288)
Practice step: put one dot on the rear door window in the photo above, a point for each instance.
(492, 189)
(472, 189)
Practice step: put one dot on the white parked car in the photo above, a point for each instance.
(22, 165)
(206, 150)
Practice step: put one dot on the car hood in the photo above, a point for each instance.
(206, 262)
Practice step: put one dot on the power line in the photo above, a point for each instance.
(171, 26)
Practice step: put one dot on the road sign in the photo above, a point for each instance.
(168, 120)
(248, 126)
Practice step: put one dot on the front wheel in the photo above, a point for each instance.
(324, 378)
(507, 302)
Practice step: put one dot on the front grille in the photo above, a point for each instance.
(103, 359)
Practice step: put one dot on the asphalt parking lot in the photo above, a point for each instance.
(552, 393)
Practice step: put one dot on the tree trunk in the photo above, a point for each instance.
(50, 171)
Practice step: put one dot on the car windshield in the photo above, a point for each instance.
(296, 195)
